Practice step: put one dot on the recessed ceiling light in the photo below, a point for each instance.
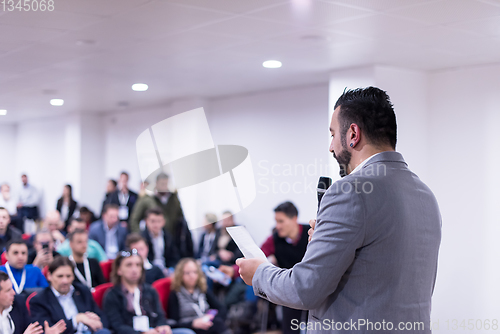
(271, 64)
(57, 102)
(3, 112)
(140, 87)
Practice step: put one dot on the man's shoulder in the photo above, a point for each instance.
(32, 269)
(95, 226)
(42, 296)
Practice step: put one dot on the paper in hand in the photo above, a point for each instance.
(245, 243)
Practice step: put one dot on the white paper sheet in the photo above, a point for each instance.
(245, 243)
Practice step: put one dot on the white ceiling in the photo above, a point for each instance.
(207, 48)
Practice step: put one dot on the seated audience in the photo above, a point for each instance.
(169, 204)
(43, 252)
(7, 231)
(94, 249)
(67, 300)
(66, 205)
(207, 249)
(136, 241)
(22, 275)
(227, 250)
(125, 314)
(108, 232)
(55, 225)
(14, 314)
(87, 216)
(191, 305)
(162, 249)
(87, 270)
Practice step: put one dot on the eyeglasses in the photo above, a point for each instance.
(129, 253)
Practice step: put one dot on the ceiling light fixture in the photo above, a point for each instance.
(3, 112)
(57, 102)
(140, 87)
(271, 64)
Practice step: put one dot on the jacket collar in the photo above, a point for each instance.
(387, 156)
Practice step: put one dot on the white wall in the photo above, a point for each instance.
(284, 132)
(463, 141)
(8, 154)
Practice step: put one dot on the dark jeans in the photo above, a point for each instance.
(288, 315)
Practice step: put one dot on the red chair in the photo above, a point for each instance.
(99, 292)
(45, 271)
(162, 286)
(33, 294)
(106, 269)
(25, 236)
(4, 258)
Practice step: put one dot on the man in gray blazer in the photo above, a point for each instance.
(108, 231)
(371, 262)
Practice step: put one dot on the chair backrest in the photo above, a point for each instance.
(45, 271)
(33, 294)
(99, 292)
(4, 258)
(106, 269)
(162, 286)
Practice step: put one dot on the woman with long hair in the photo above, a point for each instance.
(191, 304)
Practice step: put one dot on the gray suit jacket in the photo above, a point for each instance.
(97, 233)
(372, 258)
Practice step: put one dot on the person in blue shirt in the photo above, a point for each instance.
(23, 275)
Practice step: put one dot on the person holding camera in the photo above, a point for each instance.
(43, 252)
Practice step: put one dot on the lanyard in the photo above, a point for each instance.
(123, 199)
(137, 302)
(199, 309)
(18, 288)
(87, 280)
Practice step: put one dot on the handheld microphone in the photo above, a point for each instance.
(323, 184)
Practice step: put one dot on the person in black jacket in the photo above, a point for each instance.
(131, 305)
(123, 197)
(14, 317)
(191, 305)
(7, 231)
(66, 205)
(162, 249)
(69, 300)
(136, 241)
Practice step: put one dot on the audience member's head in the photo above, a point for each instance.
(210, 220)
(7, 293)
(111, 186)
(128, 269)
(227, 219)
(5, 191)
(4, 220)
(162, 183)
(286, 219)
(61, 274)
(17, 253)
(78, 241)
(24, 179)
(43, 240)
(68, 192)
(77, 224)
(137, 241)
(188, 274)
(123, 181)
(53, 221)
(86, 215)
(110, 215)
(155, 221)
